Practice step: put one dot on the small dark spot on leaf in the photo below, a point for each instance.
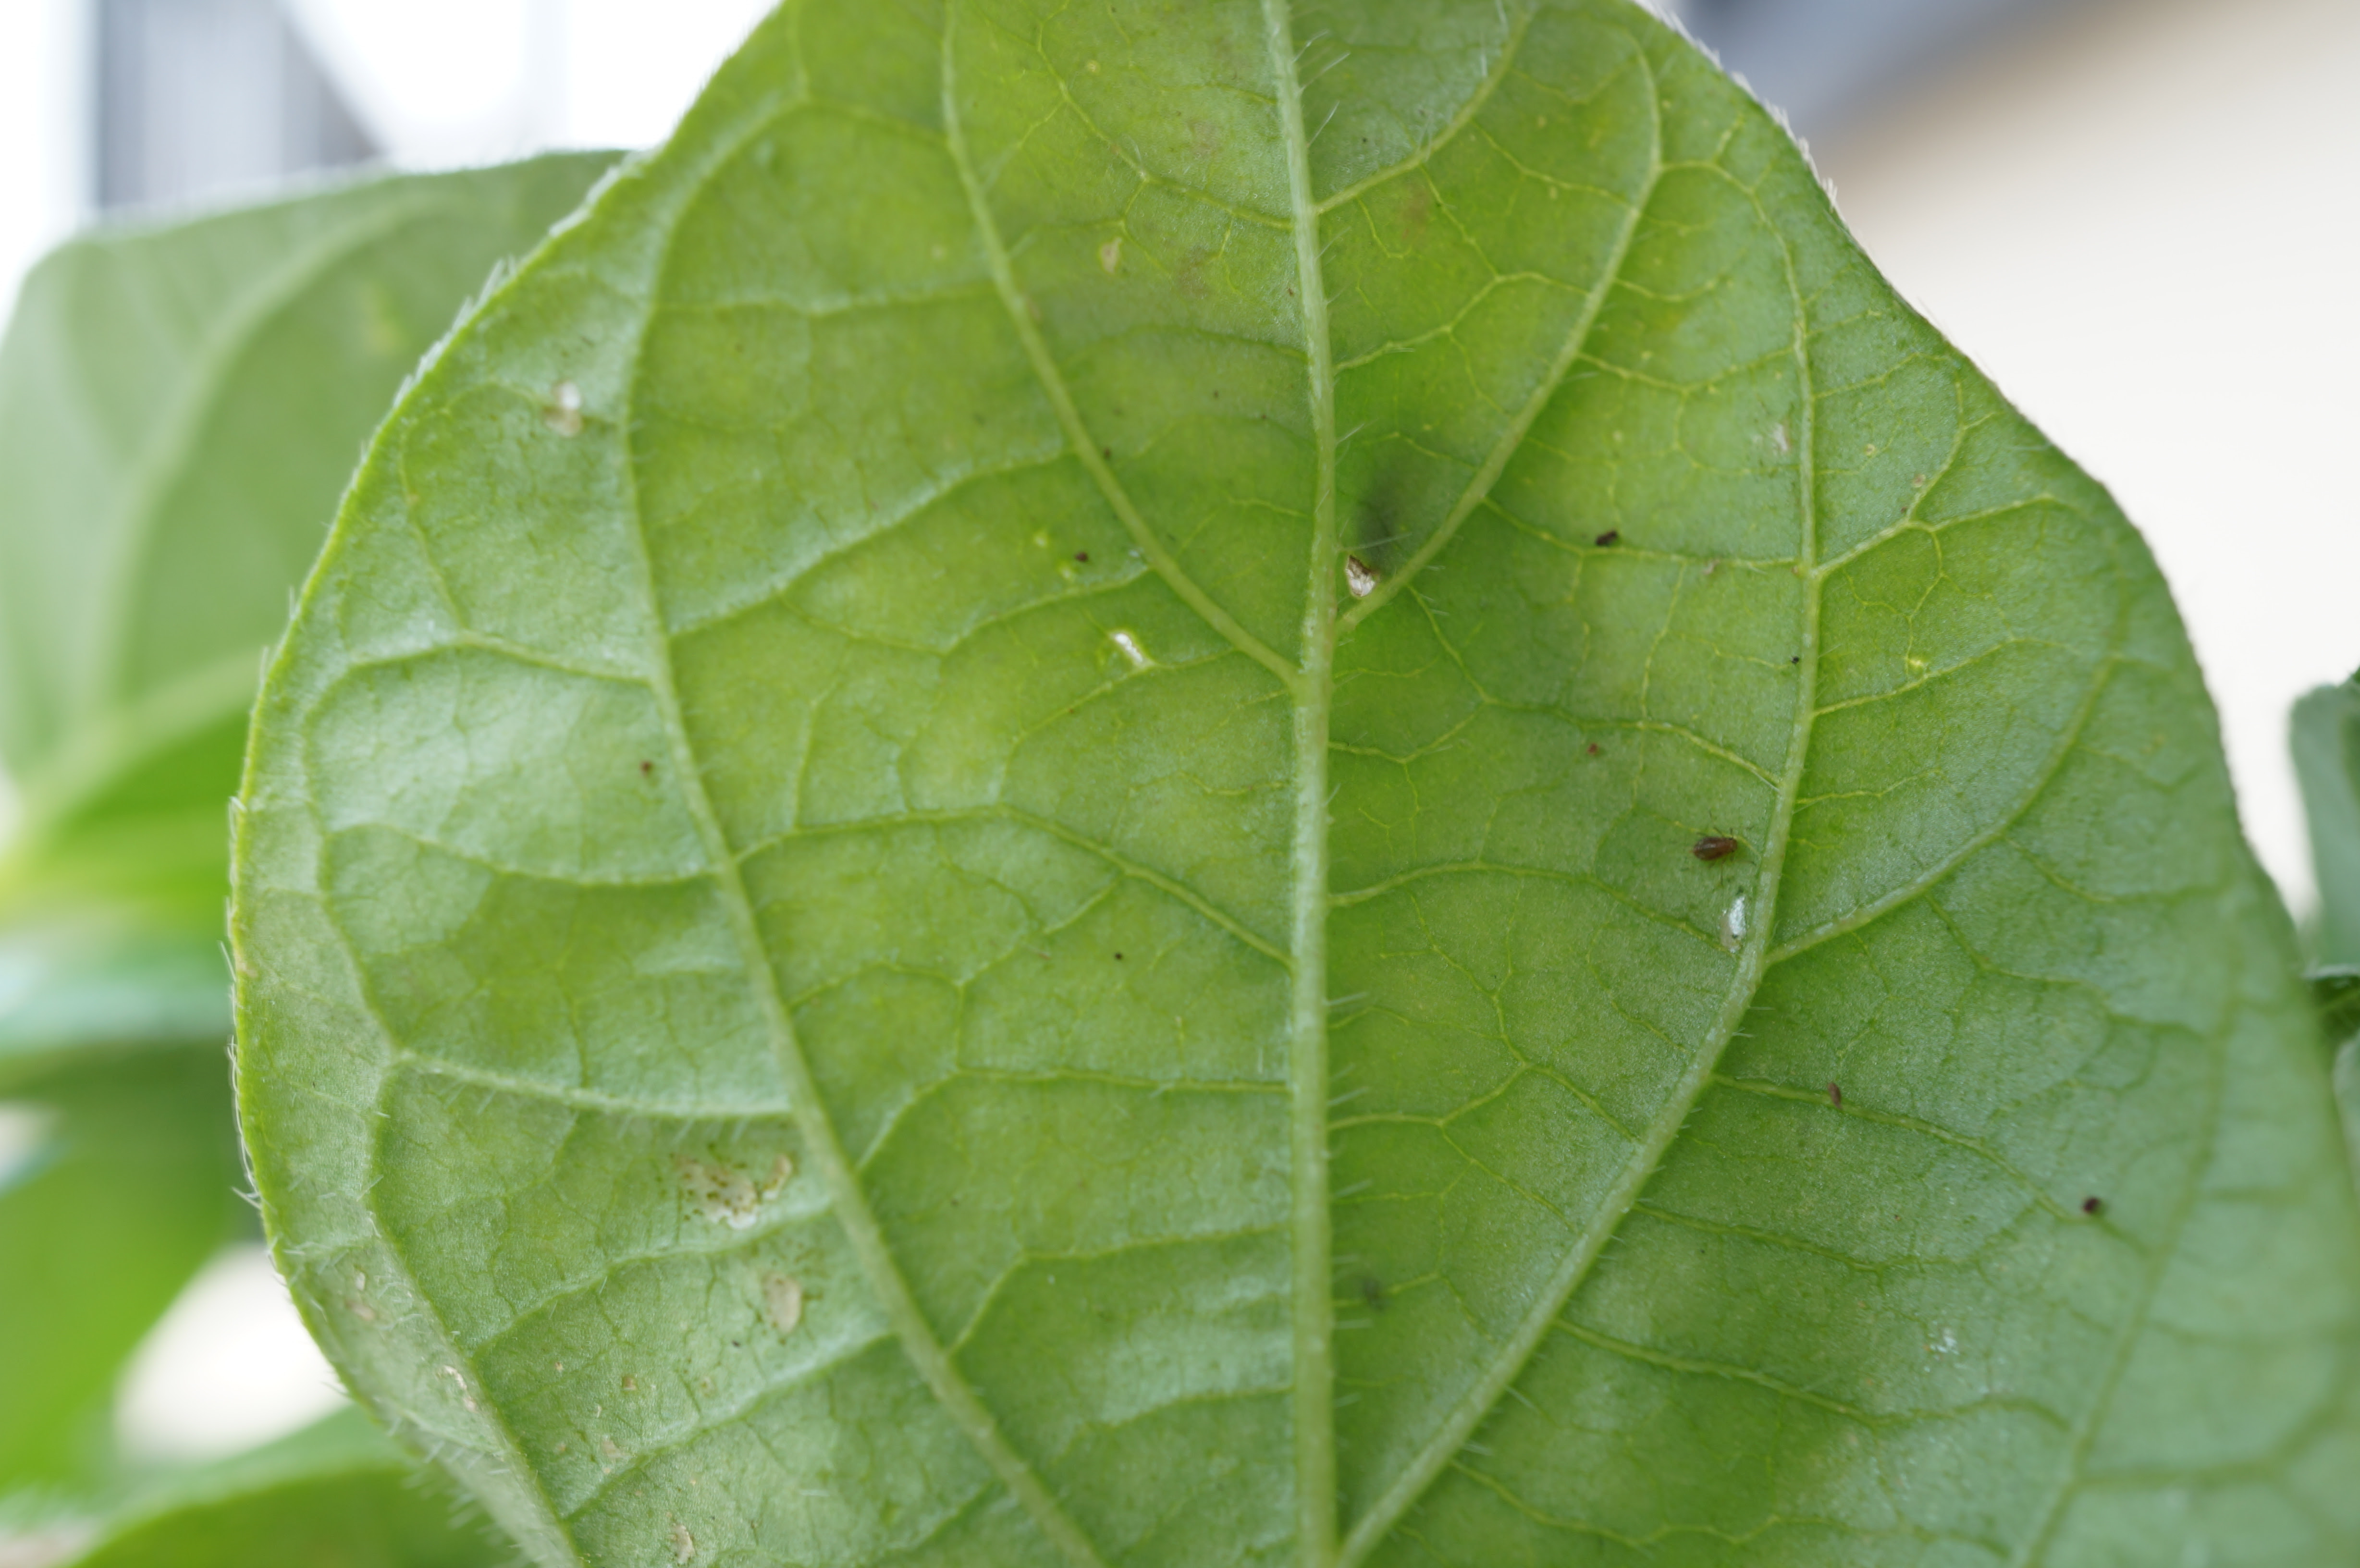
(1083, 556)
(1107, 452)
(1593, 748)
(647, 769)
(1610, 535)
(1117, 958)
(1835, 1097)
(2092, 1205)
(1372, 1290)
(1796, 659)
(1713, 846)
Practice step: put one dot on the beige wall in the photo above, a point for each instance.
(2143, 219)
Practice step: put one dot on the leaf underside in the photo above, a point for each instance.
(979, 848)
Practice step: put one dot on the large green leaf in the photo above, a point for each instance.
(132, 1188)
(987, 843)
(179, 410)
(337, 1495)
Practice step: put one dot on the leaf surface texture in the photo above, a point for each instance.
(982, 846)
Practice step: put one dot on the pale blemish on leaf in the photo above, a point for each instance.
(1110, 256)
(1359, 577)
(563, 413)
(782, 1302)
(1132, 651)
(725, 1196)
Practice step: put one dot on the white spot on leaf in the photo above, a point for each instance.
(782, 1301)
(564, 411)
(683, 1545)
(1110, 256)
(1778, 436)
(1359, 577)
(1131, 649)
(1732, 925)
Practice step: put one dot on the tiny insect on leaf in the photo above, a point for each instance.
(1713, 846)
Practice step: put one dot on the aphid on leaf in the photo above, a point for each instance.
(1593, 748)
(2092, 1205)
(1713, 846)
(1612, 535)
(1083, 556)
(647, 769)
(1835, 1097)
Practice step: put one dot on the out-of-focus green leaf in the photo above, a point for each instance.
(1254, 785)
(337, 1495)
(179, 408)
(133, 1186)
(2326, 735)
(80, 981)
(2336, 991)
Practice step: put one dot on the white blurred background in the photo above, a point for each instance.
(2142, 217)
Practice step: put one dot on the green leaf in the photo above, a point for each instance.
(2335, 989)
(337, 1495)
(179, 410)
(178, 407)
(132, 1188)
(987, 843)
(2327, 764)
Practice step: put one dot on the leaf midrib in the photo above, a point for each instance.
(1313, 1319)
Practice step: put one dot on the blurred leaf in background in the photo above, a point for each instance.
(336, 1494)
(2327, 761)
(179, 410)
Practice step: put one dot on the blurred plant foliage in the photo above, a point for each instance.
(178, 410)
(1255, 783)
(2327, 761)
